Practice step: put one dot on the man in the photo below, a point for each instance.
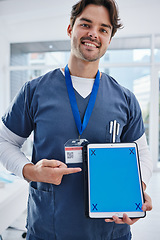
(45, 106)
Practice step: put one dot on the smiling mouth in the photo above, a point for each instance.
(90, 43)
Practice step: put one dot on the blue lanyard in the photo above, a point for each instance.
(81, 126)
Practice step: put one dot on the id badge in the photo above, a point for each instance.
(73, 150)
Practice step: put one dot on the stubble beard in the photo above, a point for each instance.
(85, 55)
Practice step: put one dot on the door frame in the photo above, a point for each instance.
(154, 118)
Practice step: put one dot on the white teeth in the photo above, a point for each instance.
(90, 45)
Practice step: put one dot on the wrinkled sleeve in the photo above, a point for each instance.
(135, 131)
(134, 128)
(17, 125)
(18, 117)
(146, 163)
(11, 156)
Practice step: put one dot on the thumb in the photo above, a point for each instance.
(147, 206)
(52, 163)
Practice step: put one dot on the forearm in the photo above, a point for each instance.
(145, 159)
(11, 156)
(29, 172)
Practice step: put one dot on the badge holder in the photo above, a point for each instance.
(73, 150)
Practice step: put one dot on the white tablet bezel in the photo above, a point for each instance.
(135, 214)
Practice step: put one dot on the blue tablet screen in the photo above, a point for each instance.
(114, 180)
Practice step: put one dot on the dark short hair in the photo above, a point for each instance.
(111, 6)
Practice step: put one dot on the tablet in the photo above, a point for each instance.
(113, 184)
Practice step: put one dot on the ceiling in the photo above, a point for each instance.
(14, 7)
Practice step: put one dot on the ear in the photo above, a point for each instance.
(69, 30)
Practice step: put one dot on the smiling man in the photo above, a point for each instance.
(90, 36)
(64, 108)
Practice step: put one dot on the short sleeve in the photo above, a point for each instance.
(18, 117)
(134, 128)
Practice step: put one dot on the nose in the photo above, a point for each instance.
(93, 34)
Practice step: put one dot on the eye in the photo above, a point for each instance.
(103, 30)
(85, 25)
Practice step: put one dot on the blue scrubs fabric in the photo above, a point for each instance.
(126, 237)
(42, 106)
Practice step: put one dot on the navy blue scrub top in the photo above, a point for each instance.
(43, 106)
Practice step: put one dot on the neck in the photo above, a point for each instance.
(83, 68)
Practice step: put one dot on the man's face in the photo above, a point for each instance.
(91, 33)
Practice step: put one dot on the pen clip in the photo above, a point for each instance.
(114, 131)
(117, 132)
(111, 127)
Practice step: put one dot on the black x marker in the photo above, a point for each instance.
(94, 207)
(138, 206)
(93, 152)
(131, 151)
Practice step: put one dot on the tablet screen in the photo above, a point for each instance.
(114, 180)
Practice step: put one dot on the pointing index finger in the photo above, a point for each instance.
(67, 171)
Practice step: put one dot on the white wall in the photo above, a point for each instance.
(140, 17)
(36, 20)
(4, 64)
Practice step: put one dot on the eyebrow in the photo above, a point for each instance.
(89, 21)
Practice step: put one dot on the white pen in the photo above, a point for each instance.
(111, 127)
(118, 125)
(114, 131)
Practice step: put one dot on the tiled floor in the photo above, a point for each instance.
(145, 229)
